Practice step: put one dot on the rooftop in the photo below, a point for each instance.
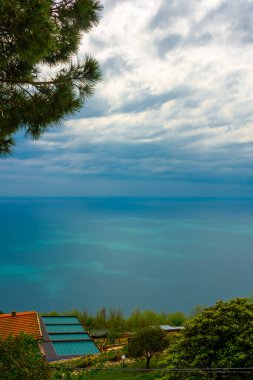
(171, 328)
(17, 323)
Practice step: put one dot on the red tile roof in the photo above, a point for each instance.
(17, 323)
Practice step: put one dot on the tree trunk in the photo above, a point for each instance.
(148, 361)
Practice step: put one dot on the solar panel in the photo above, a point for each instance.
(61, 320)
(64, 328)
(75, 348)
(66, 337)
(69, 336)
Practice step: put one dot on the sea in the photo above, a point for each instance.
(164, 254)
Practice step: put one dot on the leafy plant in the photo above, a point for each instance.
(220, 336)
(20, 358)
(147, 342)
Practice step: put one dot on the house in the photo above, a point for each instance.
(64, 337)
(61, 337)
(16, 323)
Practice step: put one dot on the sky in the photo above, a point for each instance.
(173, 115)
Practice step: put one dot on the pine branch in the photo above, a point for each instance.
(62, 4)
(34, 33)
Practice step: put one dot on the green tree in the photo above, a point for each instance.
(20, 358)
(140, 319)
(177, 319)
(113, 335)
(147, 342)
(116, 319)
(35, 37)
(220, 336)
(100, 319)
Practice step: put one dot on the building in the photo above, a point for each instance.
(61, 337)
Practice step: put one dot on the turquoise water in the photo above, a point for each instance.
(162, 254)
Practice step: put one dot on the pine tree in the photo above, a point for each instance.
(35, 37)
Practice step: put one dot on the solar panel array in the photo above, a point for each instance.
(68, 336)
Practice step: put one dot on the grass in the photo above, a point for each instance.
(108, 366)
(111, 374)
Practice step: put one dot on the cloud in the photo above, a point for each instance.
(235, 18)
(173, 113)
(169, 12)
(168, 43)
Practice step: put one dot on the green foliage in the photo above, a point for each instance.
(113, 335)
(100, 319)
(114, 319)
(219, 337)
(20, 358)
(34, 36)
(140, 319)
(147, 342)
(176, 319)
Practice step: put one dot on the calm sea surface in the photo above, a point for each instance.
(161, 254)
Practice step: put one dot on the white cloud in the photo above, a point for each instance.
(176, 99)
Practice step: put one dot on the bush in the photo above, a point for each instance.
(220, 336)
(20, 358)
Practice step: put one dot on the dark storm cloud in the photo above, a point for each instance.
(168, 159)
(165, 158)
